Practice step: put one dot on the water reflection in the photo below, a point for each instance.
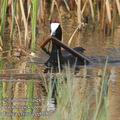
(114, 95)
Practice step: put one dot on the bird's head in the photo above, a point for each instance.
(54, 26)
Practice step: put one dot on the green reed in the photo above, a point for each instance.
(30, 96)
(102, 112)
(34, 22)
(3, 15)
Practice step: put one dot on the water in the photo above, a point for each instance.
(114, 94)
(99, 47)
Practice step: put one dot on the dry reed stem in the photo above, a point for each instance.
(71, 38)
(108, 10)
(76, 1)
(42, 11)
(84, 6)
(54, 2)
(79, 11)
(59, 14)
(19, 32)
(24, 21)
(52, 9)
(79, 26)
(29, 9)
(103, 15)
(67, 6)
(79, 21)
(92, 9)
(118, 6)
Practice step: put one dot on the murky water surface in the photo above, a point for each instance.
(99, 46)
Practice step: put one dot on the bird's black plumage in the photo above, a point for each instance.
(56, 53)
(62, 56)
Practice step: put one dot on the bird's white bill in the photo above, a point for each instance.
(54, 27)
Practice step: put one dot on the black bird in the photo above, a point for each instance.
(72, 59)
(56, 54)
(56, 31)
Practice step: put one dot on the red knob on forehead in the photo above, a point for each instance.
(54, 21)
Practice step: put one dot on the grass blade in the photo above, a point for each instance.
(101, 92)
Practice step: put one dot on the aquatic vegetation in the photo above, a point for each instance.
(34, 22)
(76, 97)
(76, 101)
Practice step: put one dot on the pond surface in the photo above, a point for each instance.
(99, 46)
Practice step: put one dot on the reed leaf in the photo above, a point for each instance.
(102, 91)
(3, 15)
(34, 22)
